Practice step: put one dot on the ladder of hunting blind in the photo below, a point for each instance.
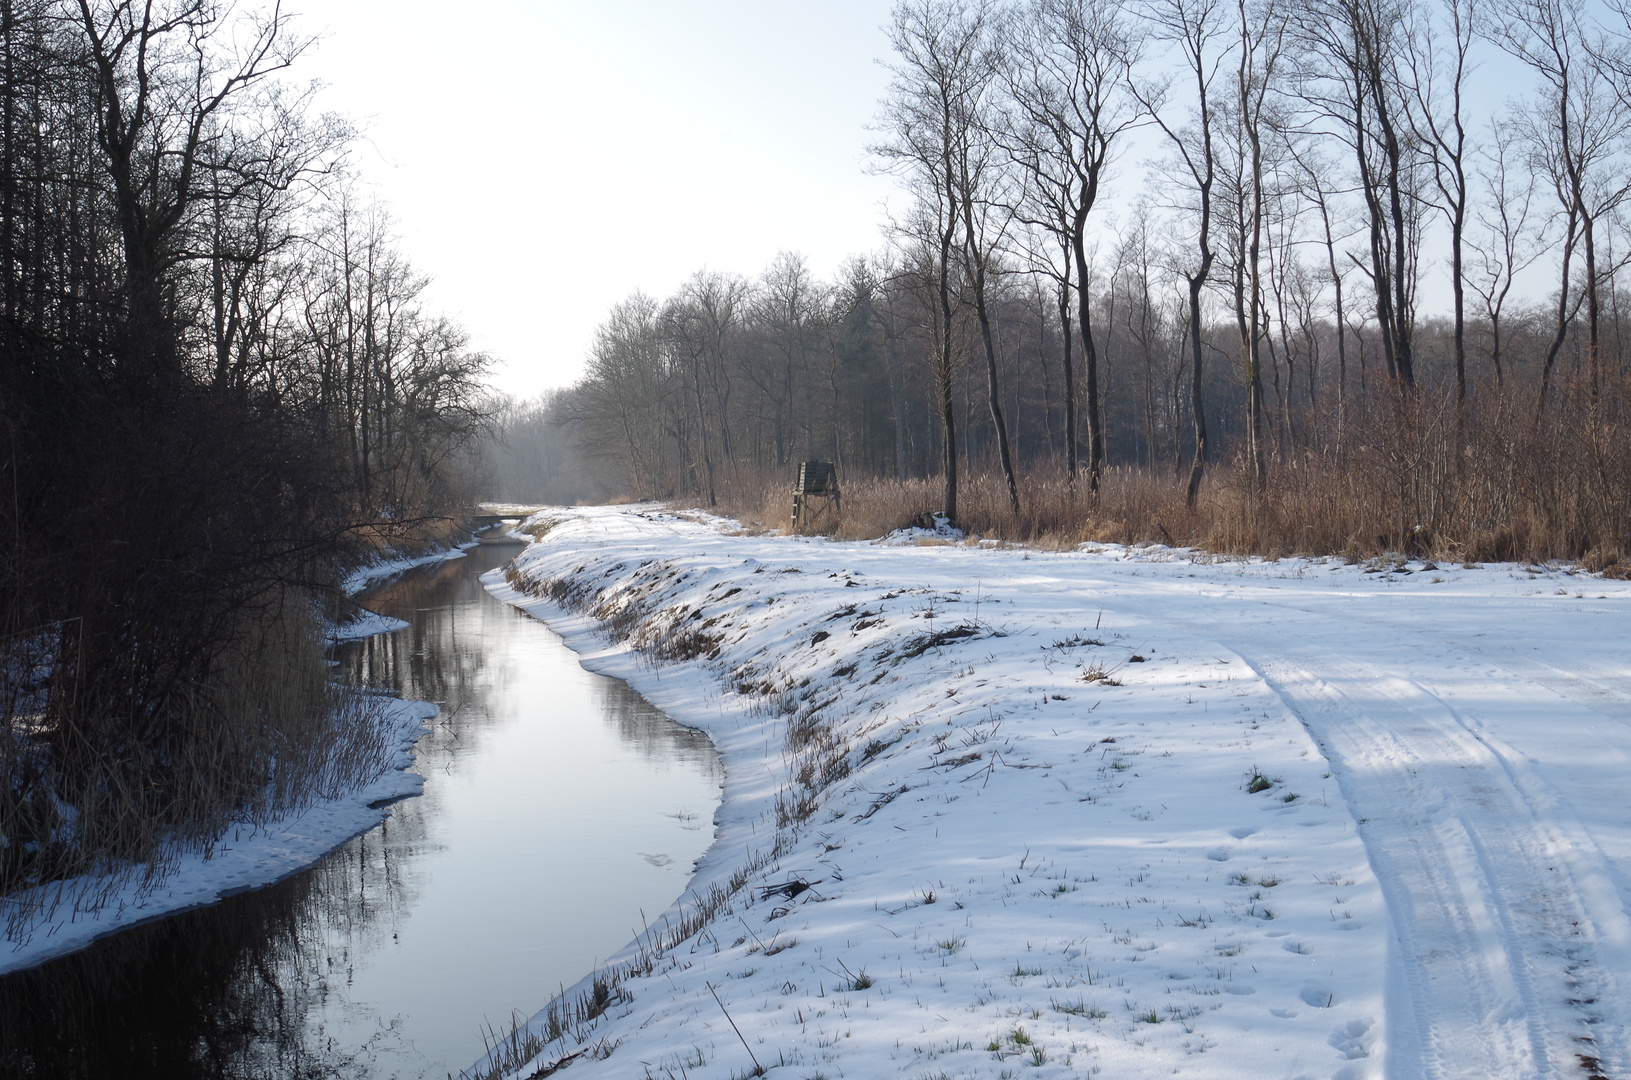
(815, 494)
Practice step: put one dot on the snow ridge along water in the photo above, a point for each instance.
(1133, 812)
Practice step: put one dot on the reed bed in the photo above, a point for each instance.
(96, 795)
(1410, 478)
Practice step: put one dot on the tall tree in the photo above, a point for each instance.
(1439, 64)
(1351, 78)
(1509, 243)
(1192, 26)
(170, 80)
(987, 215)
(1261, 29)
(1070, 78)
(1576, 127)
(941, 70)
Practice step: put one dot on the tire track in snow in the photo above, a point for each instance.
(1587, 706)
(1511, 942)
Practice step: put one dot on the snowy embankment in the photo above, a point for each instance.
(390, 565)
(1008, 813)
(365, 623)
(81, 910)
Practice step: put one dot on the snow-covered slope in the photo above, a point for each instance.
(1028, 825)
(390, 564)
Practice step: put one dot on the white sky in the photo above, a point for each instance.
(544, 159)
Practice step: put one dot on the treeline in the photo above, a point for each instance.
(1290, 179)
(218, 387)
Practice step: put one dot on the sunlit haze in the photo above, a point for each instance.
(544, 160)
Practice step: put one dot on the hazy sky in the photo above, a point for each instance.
(544, 159)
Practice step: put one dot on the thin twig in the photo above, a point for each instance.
(758, 1069)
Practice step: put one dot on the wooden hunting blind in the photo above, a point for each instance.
(815, 493)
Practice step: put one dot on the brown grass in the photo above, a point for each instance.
(1516, 490)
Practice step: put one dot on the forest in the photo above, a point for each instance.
(219, 391)
(1270, 276)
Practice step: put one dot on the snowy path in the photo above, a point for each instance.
(1451, 904)
(1510, 955)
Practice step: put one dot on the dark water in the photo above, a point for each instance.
(557, 806)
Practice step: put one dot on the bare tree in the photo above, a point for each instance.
(1610, 52)
(987, 215)
(940, 71)
(1350, 77)
(1576, 128)
(620, 403)
(1261, 33)
(1510, 242)
(787, 307)
(1070, 79)
(1439, 64)
(1319, 189)
(1192, 26)
(1145, 325)
(699, 324)
(169, 78)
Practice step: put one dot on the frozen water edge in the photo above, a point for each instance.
(1046, 850)
(248, 857)
(371, 573)
(365, 623)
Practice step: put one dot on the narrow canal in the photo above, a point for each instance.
(558, 806)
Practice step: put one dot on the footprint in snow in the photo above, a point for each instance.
(1353, 1040)
(1320, 997)
(658, 860)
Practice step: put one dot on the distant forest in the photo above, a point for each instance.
(218, 391)
(1234, 352)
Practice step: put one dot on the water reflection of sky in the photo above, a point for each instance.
(558, 805)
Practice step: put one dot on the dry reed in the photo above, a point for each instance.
(1404, 480)
(91, 800)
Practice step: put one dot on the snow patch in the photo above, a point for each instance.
(390, 565)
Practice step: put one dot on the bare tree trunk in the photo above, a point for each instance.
(945, 370)
(1197, 377)
(993, 396)
(1191, 28)
(1594, 370)
(1564, 315)
(1072, 447)
(1090, 367)
(702, 429)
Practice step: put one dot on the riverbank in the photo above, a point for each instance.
(363, 623)
(1130, 811)
(250, 856)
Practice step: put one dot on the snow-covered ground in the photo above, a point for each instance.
(1130, 812)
